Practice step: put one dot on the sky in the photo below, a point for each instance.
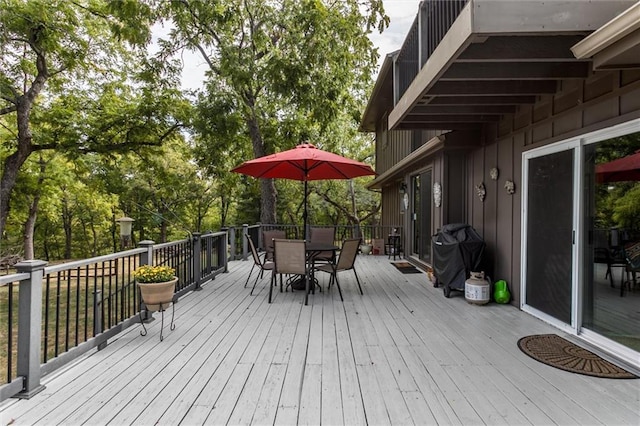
(400, 12)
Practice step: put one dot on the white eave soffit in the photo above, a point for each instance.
(615, 45)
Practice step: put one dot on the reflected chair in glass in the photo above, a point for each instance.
(289, 257)
(632, 257)
(262, 264)
(610, 257)
(346, 261)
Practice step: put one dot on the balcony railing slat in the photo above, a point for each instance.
(434, 19)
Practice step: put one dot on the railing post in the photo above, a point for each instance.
(232, 241)
(223, 247)
(197, 260)
(97, 317)
(245, 244)
(146, 258)
(30, 327)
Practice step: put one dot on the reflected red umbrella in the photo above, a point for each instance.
(305, 162)
(623, 169)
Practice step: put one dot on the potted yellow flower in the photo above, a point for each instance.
(157, 285)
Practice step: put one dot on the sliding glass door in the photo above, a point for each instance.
(611, 302)
(421, 216)
(549, 238)
(580, 223)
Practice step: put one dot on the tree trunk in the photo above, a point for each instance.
(30, 223)
(94, 233)
(267, 201)
(29, 227)
(14, 162)
(67, 218)
(163, 232)
(163, 225)
(268, 195)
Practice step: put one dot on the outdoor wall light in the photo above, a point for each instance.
(403, 188)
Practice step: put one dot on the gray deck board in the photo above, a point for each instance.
(400, 354)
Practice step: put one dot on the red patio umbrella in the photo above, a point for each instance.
(305, 162)
(623, 169)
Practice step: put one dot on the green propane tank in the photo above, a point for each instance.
(501, 292)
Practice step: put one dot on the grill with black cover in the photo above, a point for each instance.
(457, 250)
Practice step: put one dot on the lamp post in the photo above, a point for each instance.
(125, 230)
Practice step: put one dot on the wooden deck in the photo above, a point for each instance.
(401, 354)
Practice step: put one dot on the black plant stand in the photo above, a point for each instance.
(143, 332)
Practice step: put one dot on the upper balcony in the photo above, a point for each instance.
(465, 63)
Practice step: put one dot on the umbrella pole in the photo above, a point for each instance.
(304, 219)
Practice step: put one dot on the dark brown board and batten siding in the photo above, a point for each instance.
(579, 107)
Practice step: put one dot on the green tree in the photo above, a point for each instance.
(279, 72)
(56, 53)
(626, 209)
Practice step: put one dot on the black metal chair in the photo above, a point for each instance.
(267, 240)
(325, 236)
(346, 261)
(289, 257)
(262, 264)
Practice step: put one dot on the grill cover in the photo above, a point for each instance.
(457, 250)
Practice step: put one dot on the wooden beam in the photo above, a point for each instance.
(463, 109)
(516, 71)
(522, 48)
(482, 100)
(464, 88)
(438, 126)
(450, 118)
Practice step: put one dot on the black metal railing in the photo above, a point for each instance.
(62, 311)
(367, 233)
(432, 23)
(81, 304)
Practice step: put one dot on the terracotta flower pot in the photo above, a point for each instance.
(155, 294)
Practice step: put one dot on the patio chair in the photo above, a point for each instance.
(632, 256)
(289, 257)
(613, 258)
(262, 264)
(325, 236)
(346, 261)
(267, 240)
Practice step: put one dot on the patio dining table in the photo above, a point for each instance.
(313, 249)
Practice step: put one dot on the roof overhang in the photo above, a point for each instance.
(616, 45)
(496, 56)
(398, 170)
(381, 99)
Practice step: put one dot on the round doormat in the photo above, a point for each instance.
(558, 352)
